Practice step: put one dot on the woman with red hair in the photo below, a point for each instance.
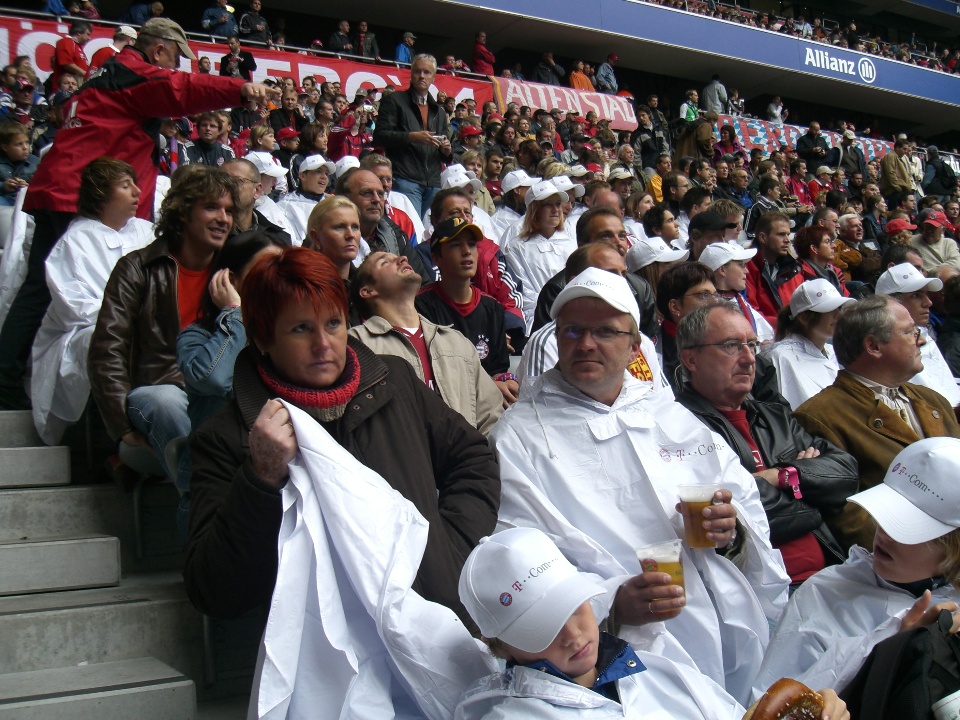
(294, 308)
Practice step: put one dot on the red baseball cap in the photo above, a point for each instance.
(898, 225)
(287, 133)
(470, 131)
(937, 218)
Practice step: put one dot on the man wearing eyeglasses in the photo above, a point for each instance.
(908, 285)
(593, 457)
(872, 410)
(801, 479)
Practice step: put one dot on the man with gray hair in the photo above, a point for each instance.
(593, 457)
(872, 410)
(246, 216)
(414, 130)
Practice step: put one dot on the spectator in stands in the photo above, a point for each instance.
(139, 13)
(681, 289)
(218, 20)
(483, 59)
(655, 183)
(237, 62)
(874, 219)
(872, 410)
(207, 149)
(948, 334)
(548, 71)
(796, 185)
(578, 79)
(68, 55)
(414, 130)
(77, 272)
(606, 79)
(728, 261)
(403, 52)
(333, 230)
(728, 145)
(441, 463)
(812, 146)
(340, 40)
(649, 143)
(288, 114)
(675, 187)
(776, 112)
(715, 97)
(204, 66)
(107, 120)
(816, 248)
(801, 479)
(124, 35)
(939, 178)
(935, 249)
(17, 164)
(852, 160)
(803, 354)
(246, 216)
(908, 285)
(774, 273)
(254, 27)
(365, 42)
(314, 176)
(688, 109)
(895, 173)
(152, 294)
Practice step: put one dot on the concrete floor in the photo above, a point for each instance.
(231, 709)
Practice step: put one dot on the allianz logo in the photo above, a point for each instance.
(823, 60)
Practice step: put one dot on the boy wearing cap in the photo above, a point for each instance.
(908, 285)
(535, 610)
(935, 249)
(909, 577)
(728, 261)
(454, 300)
(315, 173)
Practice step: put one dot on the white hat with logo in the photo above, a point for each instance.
(518, 587)
(565, 184)
(315, 162)
(265, 163)
(515, 179)
(650, 250)
(346, 163)
(716, 255)
(620, 173)
(818, 295)
(906, 278)
(543, 190)
(613, 289)
(919, 499)
(457, 176)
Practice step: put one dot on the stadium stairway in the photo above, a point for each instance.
(95, 625)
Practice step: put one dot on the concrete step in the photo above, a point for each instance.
(145, 616)
(63, 563)
(34, 466)
(143, 688)
(17, 429)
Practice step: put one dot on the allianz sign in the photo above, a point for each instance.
(823, 60)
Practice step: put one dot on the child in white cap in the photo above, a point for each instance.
(838, 615)
(533, 608)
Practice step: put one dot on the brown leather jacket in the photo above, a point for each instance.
(135, 341)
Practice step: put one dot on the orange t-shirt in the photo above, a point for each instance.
(191, 286)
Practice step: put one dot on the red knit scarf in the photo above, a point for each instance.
(333, 399)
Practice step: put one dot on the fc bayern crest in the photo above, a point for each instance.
(506, 599)
(483, 347)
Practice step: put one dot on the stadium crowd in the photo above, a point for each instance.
(521, 320)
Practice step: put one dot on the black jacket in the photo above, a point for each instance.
(394, 425)
(826, 481)
(245, 65)
(399, 116)
(948, 340)
(641, 291)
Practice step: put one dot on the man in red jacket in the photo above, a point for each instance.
(483, 59)
(774, 273)
(117, 113)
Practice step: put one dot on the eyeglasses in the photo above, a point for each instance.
(604, 333)
(733, 347)
(701, 296)
(367, 194)
(242, 180)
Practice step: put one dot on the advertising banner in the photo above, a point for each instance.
(618, 110)
(769, 136)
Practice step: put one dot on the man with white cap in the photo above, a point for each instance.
(728, 261)
(803, 357)
(872, 410)
(837, 617)
(507, 218)
(621, 181)
(457, 176)
(908, 285)
(315, 172)
(538, 612)
(801, 479)
(593, 457)
(123, 35)
(272, 176)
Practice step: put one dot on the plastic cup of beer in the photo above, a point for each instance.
(693, 499)
(665, 557)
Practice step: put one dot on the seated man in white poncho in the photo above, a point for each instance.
(837, 616)
(594, 457)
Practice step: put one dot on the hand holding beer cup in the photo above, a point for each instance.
(648, 597)
(709, 518)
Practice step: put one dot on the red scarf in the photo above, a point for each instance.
(331, 401)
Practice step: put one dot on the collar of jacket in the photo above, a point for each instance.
(615, 660)
(431, 103)
(159, 248)
(251, 394)
(376, 325)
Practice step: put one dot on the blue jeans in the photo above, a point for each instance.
(420, 195)
(160, 413)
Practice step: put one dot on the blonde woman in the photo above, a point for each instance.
(472, 161)
(333, 229)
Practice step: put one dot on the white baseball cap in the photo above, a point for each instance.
(515, 179)
(565, 184)
(346, 163)
(457, 176)
(126, 31)
(716, 255)
(519, 588)
(315, 162)
(265, 164)
(919, 499)
(578, 170)
(906, 278)
(613, 289)
(620, 173)
(818, 295)
(650, 250)
(543, 190)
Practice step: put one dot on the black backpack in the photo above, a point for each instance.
(906, 674)
(946, 176)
